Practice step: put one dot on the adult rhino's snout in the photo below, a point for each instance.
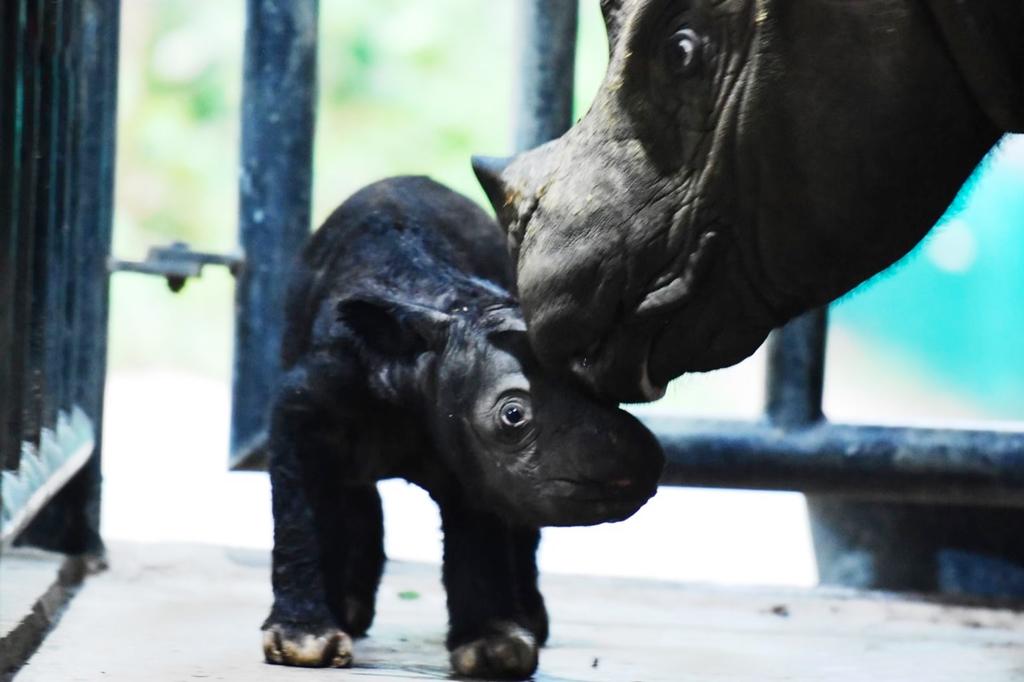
(624, 377)
(570, 274)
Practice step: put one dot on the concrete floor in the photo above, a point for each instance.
(188, 612)
(24, 576)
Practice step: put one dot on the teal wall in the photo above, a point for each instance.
(957, 302)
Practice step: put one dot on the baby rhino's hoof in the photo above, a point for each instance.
(509, 654)
(323, 648)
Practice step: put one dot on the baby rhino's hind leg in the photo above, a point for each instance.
(490, 632)
(355, 558)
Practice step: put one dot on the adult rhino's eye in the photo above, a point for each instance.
(684, 51)
(514, 414)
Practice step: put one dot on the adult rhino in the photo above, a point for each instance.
(745, 161)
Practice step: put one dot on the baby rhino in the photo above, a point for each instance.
(406, 356)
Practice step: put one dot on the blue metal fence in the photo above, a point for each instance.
(278, 113)
(57, 104)
(891, 507)
(873, 490)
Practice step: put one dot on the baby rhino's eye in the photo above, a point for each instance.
(684, 48)
(514, 413)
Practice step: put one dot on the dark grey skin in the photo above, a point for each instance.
(406, 356)
(743, 162)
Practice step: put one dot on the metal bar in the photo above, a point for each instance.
(10, 107)
(47, 323)
(796, 370)
(68, 164)
(547, 56)
(177, 263)
(70, 522)
(947, 466)
(278, 117)
(25, 354)
(95, 116)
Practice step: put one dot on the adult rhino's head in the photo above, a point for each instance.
(742, 162)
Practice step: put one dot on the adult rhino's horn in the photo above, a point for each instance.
(488, 170)
(613, 20)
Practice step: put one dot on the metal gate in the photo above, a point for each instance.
(879, 496)
(57, 104)
(889, 505)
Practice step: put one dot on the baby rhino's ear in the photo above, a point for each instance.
(395, 328)
(505, 320)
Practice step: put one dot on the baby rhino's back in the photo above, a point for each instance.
(407, 237)
(414, 226)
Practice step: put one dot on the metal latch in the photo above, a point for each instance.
(177, 263)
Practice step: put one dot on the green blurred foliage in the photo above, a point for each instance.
(406, 86)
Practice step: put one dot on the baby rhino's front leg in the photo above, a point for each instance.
(328, 537)
(506, 651)
(315, 629)
(497, 620)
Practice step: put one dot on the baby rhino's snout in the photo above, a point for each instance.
(604, 467)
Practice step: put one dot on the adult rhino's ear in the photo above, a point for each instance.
(513, 185)
(488, 171)
(613, 20)
(395, 328)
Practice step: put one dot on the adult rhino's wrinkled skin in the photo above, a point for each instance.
(744, 162)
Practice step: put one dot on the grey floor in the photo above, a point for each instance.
(190, 612)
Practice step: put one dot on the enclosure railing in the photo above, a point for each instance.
(57, 104)
(854, 475)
